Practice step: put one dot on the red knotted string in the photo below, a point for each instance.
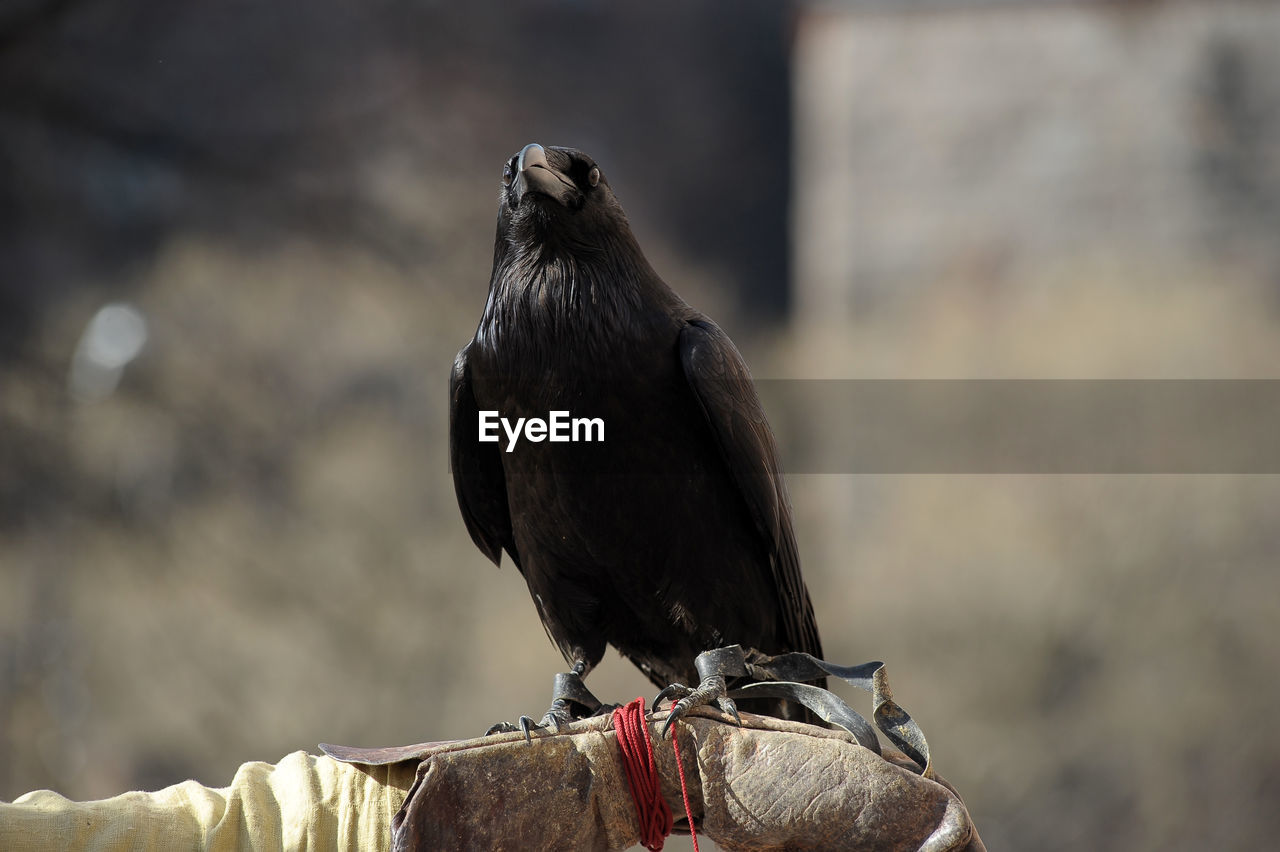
(684, 788)
(652, 810)
(642, 775)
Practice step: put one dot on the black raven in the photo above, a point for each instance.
(670, 536)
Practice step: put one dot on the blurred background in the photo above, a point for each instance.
(240, 244)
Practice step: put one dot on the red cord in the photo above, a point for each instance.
(652, 810)
(684, 788)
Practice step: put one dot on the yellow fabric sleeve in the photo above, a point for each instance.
(302, 802)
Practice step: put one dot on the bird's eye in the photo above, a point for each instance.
(507, 174)
(593, 176)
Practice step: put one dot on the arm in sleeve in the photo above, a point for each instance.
(304, 801)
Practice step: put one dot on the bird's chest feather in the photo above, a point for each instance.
(635, 456)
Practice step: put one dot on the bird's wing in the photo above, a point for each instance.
(719, 379)
(478, 478)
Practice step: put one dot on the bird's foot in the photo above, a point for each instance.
(570, 701)
(713, 667)
(709, 689)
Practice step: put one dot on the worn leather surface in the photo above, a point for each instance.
(769, 784)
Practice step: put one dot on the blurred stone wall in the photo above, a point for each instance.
(985, 141)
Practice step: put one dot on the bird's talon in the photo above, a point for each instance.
(712, 688)
(555, 719)
(674, 691)
(527, 725)
(728, 705)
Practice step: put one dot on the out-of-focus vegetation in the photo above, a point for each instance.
(244, 541)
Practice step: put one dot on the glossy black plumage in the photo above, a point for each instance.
(674, 534)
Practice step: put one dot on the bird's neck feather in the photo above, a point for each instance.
(542, 297)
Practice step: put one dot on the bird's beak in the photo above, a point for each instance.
(536, 175)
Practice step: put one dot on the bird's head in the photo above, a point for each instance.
(558, 198)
